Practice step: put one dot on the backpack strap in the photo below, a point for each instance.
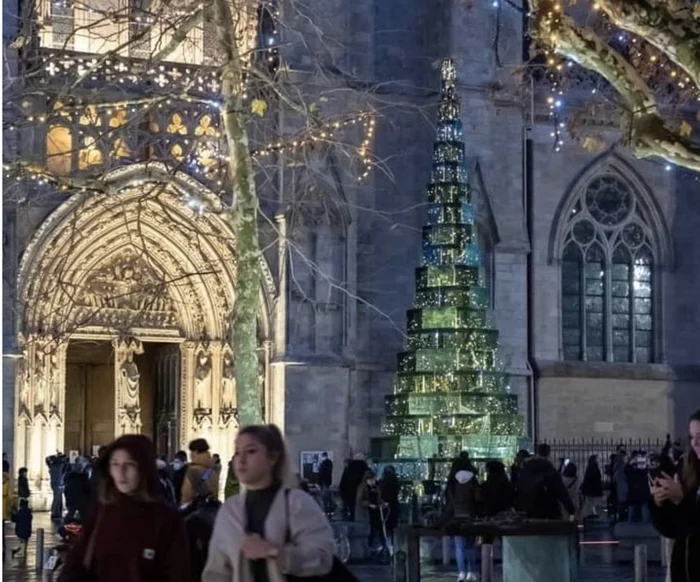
(288, 531)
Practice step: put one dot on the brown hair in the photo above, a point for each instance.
(142, 452)
(690, 471)
(270, 437)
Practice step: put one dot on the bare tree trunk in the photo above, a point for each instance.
(242, 218)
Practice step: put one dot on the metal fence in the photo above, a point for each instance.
(579, 450)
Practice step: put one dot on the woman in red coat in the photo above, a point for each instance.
(133, 536)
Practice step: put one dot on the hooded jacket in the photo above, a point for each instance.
(133, 539)
(541, 490)
(463, 495)
(192, 485)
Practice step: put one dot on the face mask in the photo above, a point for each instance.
(177, 465)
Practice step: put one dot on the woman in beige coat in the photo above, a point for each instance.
(269, 530)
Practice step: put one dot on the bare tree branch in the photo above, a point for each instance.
(649, 134)
(674, 32)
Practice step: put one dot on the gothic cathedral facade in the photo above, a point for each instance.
(591, 259)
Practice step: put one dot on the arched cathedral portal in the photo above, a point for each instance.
(125, 300)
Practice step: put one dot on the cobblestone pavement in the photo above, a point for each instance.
(21, 570)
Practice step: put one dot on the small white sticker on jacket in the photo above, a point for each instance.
(149, 554)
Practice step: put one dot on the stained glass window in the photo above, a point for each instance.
(607, 285)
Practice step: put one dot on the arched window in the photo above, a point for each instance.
(59, 150)
(607, 272)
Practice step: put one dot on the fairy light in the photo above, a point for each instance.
(203, 149)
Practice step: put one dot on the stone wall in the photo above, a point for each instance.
(605, 400)
(318, 406)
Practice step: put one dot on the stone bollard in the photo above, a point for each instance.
(487, 563)
(446, 553)
(40, 549)
(640, 564)
(400, 556)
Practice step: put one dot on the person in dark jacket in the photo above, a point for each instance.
(325, 480)
(325, 471)
(23, 484)
(349, 483)
(57, 465)
(23, 527)
(638, 482)
(497, 493)
(675, 510)
(77, 491)
(133, 536)
(178, 470)
(520, 458)
(165, 483)
(463, 497)
(390, 488)
(369, 500)
(591, 488)
(541, 489)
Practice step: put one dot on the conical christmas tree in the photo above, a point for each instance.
(450, 395)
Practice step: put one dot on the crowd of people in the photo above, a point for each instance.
(145, 519)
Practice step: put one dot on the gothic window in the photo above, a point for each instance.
(97, 30)
(607, 277)
(59, 150)
(168, 20)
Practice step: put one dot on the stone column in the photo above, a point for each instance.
(39, 411)
(127, 385)
(265, 385)
(224, 422)
(202, 390)
(187, 355)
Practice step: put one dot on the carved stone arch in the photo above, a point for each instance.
(171, 225)
(74, 238)
(611, 163)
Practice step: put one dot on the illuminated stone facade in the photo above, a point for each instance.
(339, 252)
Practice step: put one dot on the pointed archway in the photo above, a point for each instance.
(149, 260)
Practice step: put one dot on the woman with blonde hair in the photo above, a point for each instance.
(675, 510)
(270, 531)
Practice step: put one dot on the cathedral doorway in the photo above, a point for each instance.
(90, 420)
(126, 299)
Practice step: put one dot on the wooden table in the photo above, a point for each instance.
(533, 550)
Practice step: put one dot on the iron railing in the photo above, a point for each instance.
(579, 450)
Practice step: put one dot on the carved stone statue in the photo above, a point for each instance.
(53, 380)
(40, 387)
(130, 382)
(228, 384)
(202, 382)
(25, 389)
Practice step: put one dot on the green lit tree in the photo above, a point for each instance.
(451, 393)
